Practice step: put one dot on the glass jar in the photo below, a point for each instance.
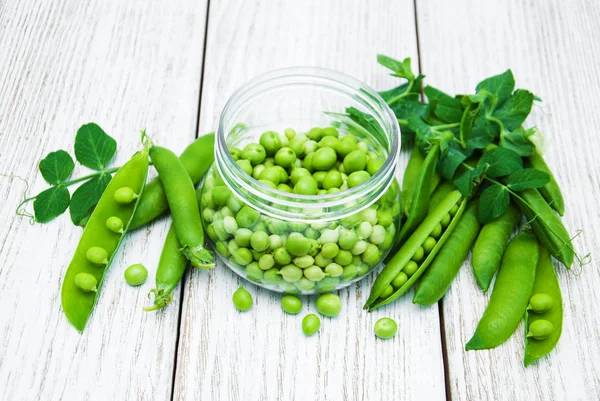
(290, 242)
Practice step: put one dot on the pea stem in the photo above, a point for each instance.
(403, 94)
(445, 126)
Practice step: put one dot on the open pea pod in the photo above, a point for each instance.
(439, 223)
(101, 238)
(546, 285)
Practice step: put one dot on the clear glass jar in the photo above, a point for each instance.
(361, 221)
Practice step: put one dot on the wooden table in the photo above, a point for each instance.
(169, 67)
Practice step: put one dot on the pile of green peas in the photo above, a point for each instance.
(295, 257)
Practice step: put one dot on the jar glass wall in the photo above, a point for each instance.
(283, 239)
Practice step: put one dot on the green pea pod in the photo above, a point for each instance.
(181, 196)
(546, 225)
(196, 158)
(546, 282)
(510, 295)
(171, 267)
(411, 178)
(78, 305)
(404, 255)
(440, 193)
(422, 193)
(490, 245)
(551, 191)
(447, 263)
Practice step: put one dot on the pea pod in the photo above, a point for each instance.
(410, 182)
(171, 267)
(546, 282)
(78, 305)
(546, 225)
(551, 191)
(440, 193)
(400, 260)
(490, 245)
(196, 159)
(179, 190)
(450, 258)
(510, 295)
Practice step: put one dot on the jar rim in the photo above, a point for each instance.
(235, 177)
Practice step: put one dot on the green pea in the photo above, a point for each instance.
(445, 220)
(363, 146)
(223, 249)
(219, 228)
(334, 270)
(364, 230)
(540, 329)
(257, 170)
(124, 195)
(323, 159)
(232, 246)
(259, 241)
(275, 242)
(306, 186)
(247, 217)
(271, 141)
(266, 262)
(304, 261)
(321, 260)
(288, 288)
(254, 273)
(297, 173)
(268, 183)
(385, 328)
(357, 178)
(269, 162)
(136, 274)
(329, 236)
(332, 180)
(389, 241)
(291, 273)
(245, 165)
(331, 131)
(362, 269)
(254, 153)
(97, 256)
(291, 304)
(272, 276)
(541, 302)
(371, 255)
(359, 248)
(208, 215)
(307, 162)
(329, 142)
(429, 244)
(284, 188)
(285, 157)
(315, 133)
(314, 273)
(310, 146)
(378, 235)
(410, 268)
(347, 239)
(330, 250)
(236, 153)
(298, 146)
(311, 233)
(230, 225)
(115, 224)
(242, 237)
(374, 165)
(220, 195)
(344, 148)
(453, 210)
(210, 231)
(387, 292)
(399, 280)
(355, 161)
(419, 254)
(298, 245)
(305, 284)
(319, 176)
(86, 282)
(385, 217)
(311, 324)
(329, 305)
(349, 273)
(437, 231)
(290, 133)
(242, 300)
(343, 258)
(271, 174)
(242, 256)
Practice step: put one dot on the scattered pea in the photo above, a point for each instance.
(136, 274)
(329, 305)
(385, 328)
(291, 304)
(311, 324)
(242, 300)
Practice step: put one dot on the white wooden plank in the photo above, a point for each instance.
(127, 66)
(552, 47)
(262, 354)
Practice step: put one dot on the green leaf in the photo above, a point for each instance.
(51, 203)
(57, 167)
(518, 141)
(467, 120)
(527, 178)
(93, 147)
(501, 162)
(414, 94)
(86, 197)
(501, 86)
(516, 109)
(448, 109)
(482, 122)
(451, 161)
(493, 202)
(480, 138)
(401, 69)
(470, 180)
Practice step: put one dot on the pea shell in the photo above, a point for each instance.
(545, 282)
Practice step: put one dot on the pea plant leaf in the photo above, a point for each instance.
(527, 178)
(86, 197)
(57, 167)
(51, 203)
(448, 109)
(515, 110)
(501, 86)
(493, 202)
(414, 93)
(467, 120)
(518, 141)
(93, 147)
(401, 69)
(501, 162)
(470, 180)
(479, 139)
(448, 165)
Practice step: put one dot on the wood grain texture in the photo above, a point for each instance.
(552, 47)
(262, 354)
(127, 66)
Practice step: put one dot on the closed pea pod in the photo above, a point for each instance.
(490, 245)
(179, 190)
(78, 305)
(412, 176)
(449, 260)
(510, 295)
(546, 283)
(551, 191)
